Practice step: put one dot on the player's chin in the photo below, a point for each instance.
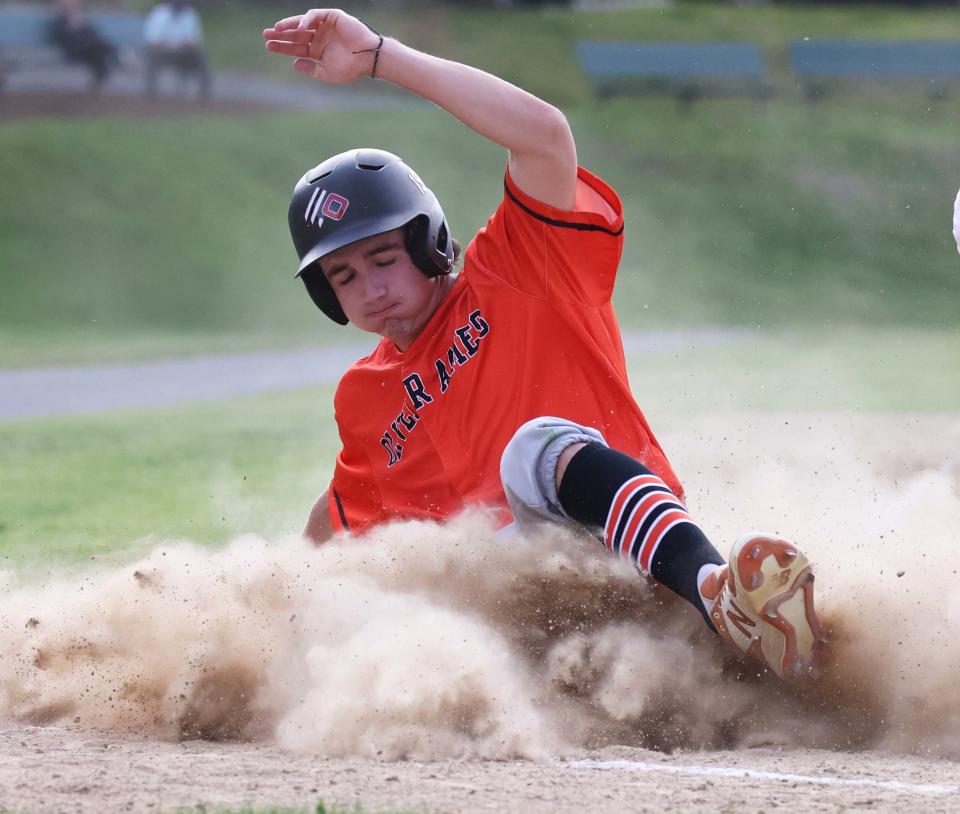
(371, 326)
(399, 329)
(395, 325)
(376, 322)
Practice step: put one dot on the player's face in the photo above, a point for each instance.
(381, 290)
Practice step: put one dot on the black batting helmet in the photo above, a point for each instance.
(358, 194)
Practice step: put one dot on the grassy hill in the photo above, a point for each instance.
(127, 238)
(536, 45)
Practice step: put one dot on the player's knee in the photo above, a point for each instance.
(528, 465)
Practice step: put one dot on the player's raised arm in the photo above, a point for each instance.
(332, 46)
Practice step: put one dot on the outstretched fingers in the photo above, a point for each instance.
(299, 28)
(311, 20)
(302, 35)
(290, 49)
(315, 18)
(326, 44)
(288, 22)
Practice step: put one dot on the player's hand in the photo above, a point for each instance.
(326, 44)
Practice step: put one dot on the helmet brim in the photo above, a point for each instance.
(359, 231)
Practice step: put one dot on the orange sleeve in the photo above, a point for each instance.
(569, 256)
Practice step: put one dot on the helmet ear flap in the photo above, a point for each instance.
(321, 292)
(432, 258)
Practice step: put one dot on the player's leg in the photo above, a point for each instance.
(620, 500)
(555, 470)
(637, 516)
(762, 603)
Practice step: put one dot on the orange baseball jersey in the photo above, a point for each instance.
(527, 329)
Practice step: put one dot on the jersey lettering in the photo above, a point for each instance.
(443, 375)
(400, 429)
(394, 450)
(408, 421)
(468, 343)
(481, 326)
(413, 384)
(455, 356)
(392, 441)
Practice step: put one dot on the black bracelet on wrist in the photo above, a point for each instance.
(375, 51)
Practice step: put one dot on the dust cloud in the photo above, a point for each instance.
(422, 641)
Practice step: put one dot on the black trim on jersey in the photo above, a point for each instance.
(583, 227)
(343, 517)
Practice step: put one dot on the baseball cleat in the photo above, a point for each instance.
(762, 602)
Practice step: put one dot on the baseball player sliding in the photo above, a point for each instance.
(504, 385)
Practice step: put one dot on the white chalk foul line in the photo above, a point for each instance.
(751, 774)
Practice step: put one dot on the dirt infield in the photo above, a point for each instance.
(454, 669)
(71, 770)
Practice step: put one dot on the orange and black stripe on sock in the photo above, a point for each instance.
(640, 518)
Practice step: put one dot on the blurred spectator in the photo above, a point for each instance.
(80, 42)
(175, 40)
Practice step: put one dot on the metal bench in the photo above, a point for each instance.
(687, 71)
(25, 37)
(822, 63)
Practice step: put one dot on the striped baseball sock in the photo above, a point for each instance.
(640, 518)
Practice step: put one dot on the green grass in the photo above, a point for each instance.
(536, 46)
(736, 214)
(865, 371)
(110, 487)
(777, 216)
(116, 233)
(133, 239)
